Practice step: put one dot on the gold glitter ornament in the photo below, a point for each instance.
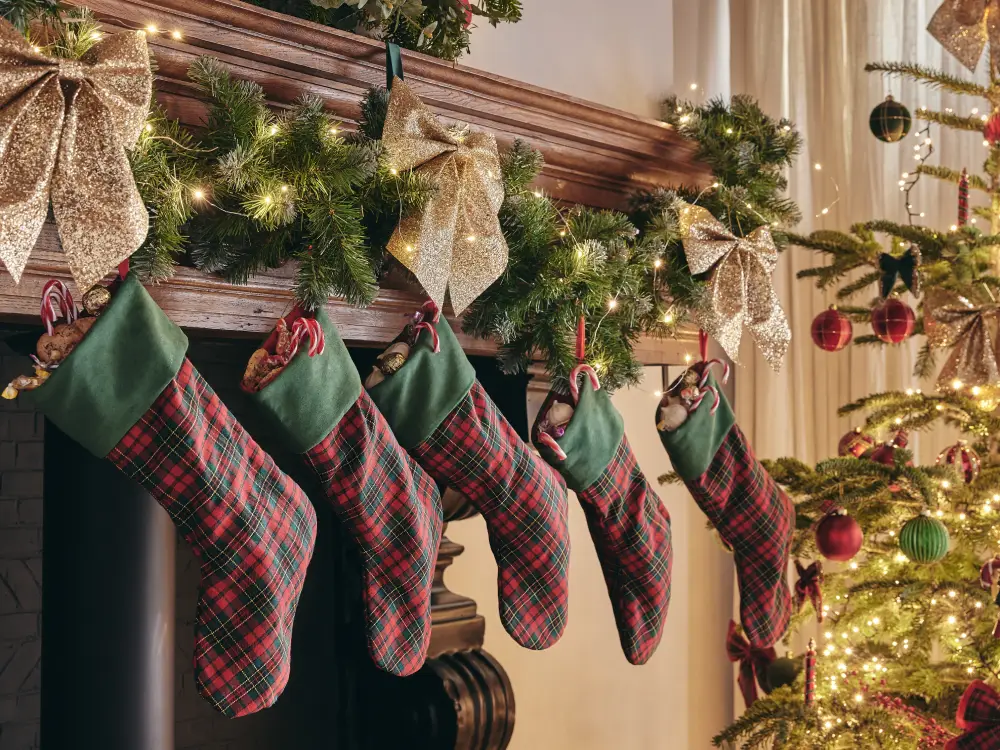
(963, 27)
(96, 299)
(456, 242)
(952, 321)
(64, 128)
(740, 290)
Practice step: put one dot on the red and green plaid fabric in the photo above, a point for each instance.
(393, 510)
(979, 715)
(631, 531)
(478, 453)
(252, 528)
(756, 519)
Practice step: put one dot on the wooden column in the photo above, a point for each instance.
(108, 601)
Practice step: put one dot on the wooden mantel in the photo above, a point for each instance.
(594, 155)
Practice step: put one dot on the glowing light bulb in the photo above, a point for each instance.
(668, 318)
(817, 166)
(694, 86)
(657, 263)
(858, 698)
(273, 130)
(268, 200)
(715, 184)
(957, 384)
(334, 130)
(729, 131)
(945, 484)
(658, 394)
(951, 620)
(940, 514)
(979, 605)
(787, 128)
(687, 359)
(952, 594)
(854, 566)
(612, 303)
(976, 390)
(149, 127)
(393, 171)
(176, 35)
(198, 194)
(471, 238)
(151, 29)
(538, 193)
(284, 188)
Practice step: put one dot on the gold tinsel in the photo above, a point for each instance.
(740, 290)
(64, 128)
(963, 27)
(952, 321)
(456, 242)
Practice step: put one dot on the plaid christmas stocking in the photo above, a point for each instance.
(127, 392)
(443, 417)
(751, 513)
(628, 523)
(389, 504)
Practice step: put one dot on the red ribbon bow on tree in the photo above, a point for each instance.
(808, 585)
(979, 715)
(753, 662)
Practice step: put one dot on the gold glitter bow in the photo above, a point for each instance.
(456, 243)
(951, 320)
(64, 128)
(740, 291)
(963, 27)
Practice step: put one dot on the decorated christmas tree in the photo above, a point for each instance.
(897, 563)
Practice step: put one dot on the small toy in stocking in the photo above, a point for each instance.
(305, 383)
(750, 511)
(583, 437)
(430, 396)
(121, 386)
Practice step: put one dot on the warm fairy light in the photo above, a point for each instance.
(933, 602)
(268, 200)
(945, 484)
(940, 514)
(976, 390)
(409, 248)
(828, 635)
(274, 130)
(848, 651)
(658, 394)
(979, 605)
(687, 359)
(284, 188)
(817, 166)
(855, 629)
(899, 420)
(909, 391)
(176, 35)
(684, 118)
(954, 227)
(970, 670)
(198, 194)
(787, 128)
(854, 566)
(694, 86)
(334, 130)
(668, 318)
(562, 232)
(952, 594)
(149, 127)
(901, 558)
(961, 516)
(538, 193)
(858, 697)
(471, 238)
(715, 184)
(939, 407)
(152, 29)
(876, 620)
(957, 384)
(951, 619)
(393, 171)
(612, 303)
(927, 141)
(729, 131)
(657, 263)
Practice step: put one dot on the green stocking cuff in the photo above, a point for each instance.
(591, 439)
(115, 374)
(416, 400)
(693, 445)
(312, 394)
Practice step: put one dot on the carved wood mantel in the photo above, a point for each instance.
(594, 155)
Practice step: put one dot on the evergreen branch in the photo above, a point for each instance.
(954, 176)
(934, 78)
(952, 120)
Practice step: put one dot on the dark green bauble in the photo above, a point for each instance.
(890, 121)
(924, 539)
(781, 672)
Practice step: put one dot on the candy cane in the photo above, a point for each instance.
(707, 368)
(306, 328)
(56, 300)
(550, 442)
(425, 326)
(574, 387)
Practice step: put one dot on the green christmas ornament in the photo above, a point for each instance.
(781, 672)
(924, 539)
(890, 121)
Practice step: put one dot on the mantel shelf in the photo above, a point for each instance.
(595, 155)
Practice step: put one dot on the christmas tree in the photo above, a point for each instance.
(908, 616)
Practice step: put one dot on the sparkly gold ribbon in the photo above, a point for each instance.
(740, 290)
(456, 242)
(963, 27)
(64, 128)
(951, 320)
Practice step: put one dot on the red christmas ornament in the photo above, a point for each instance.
(468, 12)
(963, 458)
(855, 443)
(838, 536)
(991, 130)
(893, 321)
(886, 453)
(832, 330)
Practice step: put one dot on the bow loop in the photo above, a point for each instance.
(808, 586)
(979, 716)
(753, 662)
(903, 268)
(963, 27)
(456, 244)
(70, 151)
(952, 321)
(740, 289)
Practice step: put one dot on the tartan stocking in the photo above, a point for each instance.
(127, 392)
(628, 523)
(389, 504)
(448, 423)
(751, 513)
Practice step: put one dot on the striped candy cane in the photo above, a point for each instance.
(574, 388)
(57, 300)
(306, 328)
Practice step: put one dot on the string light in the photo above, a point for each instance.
(274, 130)
(393, 171)
(471, 238)
(334, 130)
(909, 179)
(729, 131)
(694, 86)
(151, 29)
(668, 318)
(198, 194)
(612, 303)
(176, 35)
(657, 263)
(687, 359)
